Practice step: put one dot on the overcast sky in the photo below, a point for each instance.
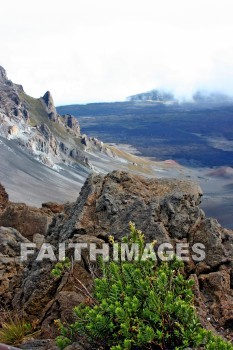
(105, 50)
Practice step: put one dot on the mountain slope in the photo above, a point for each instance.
(45, 153)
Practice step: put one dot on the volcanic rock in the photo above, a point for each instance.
(27, 220)
(3, 197)
(162, 208)
(3, 76)
(11, 268)
(49, 104)
(72, 123)
(13, 130)
(54, 207)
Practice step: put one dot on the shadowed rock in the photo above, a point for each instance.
(11, 268)
(3, 197)
(49, 104)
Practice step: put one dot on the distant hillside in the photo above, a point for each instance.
(153, 95)
(190, 133)
(199, 97)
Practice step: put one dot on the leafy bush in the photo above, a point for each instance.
(138, 305)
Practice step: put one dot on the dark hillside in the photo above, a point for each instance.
(193, 134)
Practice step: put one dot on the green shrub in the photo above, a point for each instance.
(141, 306)
(61, 267)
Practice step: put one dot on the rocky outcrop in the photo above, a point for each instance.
(71, 123)
(46, 299)
(39, 130)
(3, 76)
(48, 143)
(13, 130)
(91, 143)
(27, 220)
(49, 106)
(11, 105)
(54, 207)
(165, 210)
(75, 155)
(3, 197)
(11, 268)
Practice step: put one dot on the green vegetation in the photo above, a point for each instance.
(14, 329)
(37, 111)
(61, 267)
(137, 305)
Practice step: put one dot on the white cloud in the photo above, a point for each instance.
(88, 50)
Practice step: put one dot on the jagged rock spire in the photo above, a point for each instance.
(49, 102)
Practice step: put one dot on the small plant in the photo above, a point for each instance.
(138, 305)
(61, 267)
(14, 329)
(62, 340)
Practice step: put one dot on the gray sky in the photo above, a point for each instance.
(106, 50)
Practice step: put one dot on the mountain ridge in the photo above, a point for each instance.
(36, 139)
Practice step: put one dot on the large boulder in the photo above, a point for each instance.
(27, 220)
(163, 209)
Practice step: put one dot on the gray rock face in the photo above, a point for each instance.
(37, 128)
(50, 144)
(72, 123)
(164, 209)
(11, 105)
(39, 344)
(3, 76)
